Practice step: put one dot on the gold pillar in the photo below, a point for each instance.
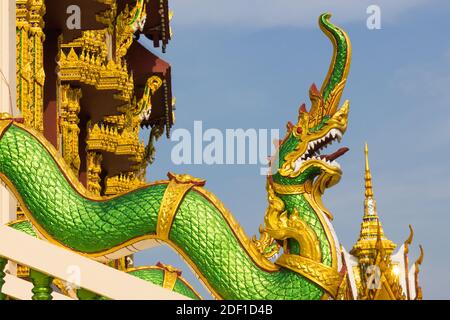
(37, 38)
(30, 61)
(94, 161)
(23, 72)
(69, 109)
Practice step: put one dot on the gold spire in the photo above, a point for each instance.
(370, 208)
(368, 175)
(371, 229)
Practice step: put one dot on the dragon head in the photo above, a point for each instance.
(301, 156)
(303, 171)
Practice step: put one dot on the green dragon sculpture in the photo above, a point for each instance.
(183, 214)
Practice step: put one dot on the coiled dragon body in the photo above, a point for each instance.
(182, 213)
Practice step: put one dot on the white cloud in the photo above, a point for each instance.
(274, 13)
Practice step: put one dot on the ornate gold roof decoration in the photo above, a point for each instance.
(371, 229)
(127, 23)
(107, 138)
(377, 273)
(122, 183)
(89, 65)
(108, 16)
(144, 106)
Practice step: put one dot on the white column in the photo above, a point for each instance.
(8, 204)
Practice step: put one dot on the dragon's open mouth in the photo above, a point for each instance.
(315, 147)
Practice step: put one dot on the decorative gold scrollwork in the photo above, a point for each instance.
(281, 225)
(128, 22)
(266, 245)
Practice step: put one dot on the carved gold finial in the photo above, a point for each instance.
(409, 240)
(420, 259)
(369, 202)
(368, 175)
(419, 294)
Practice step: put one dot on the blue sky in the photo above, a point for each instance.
(249, 64)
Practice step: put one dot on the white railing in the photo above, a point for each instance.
(60, 263)
(21, 290)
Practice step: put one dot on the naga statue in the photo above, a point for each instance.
(298, 254)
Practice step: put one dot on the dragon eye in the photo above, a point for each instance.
(299, 130)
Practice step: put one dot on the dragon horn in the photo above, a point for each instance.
(326, 101)
(340, 64)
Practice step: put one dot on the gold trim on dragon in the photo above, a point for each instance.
(177, 188)
(293, 189)
(326, 277)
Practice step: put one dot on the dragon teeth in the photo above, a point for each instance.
(331, 136)
(334, 132)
